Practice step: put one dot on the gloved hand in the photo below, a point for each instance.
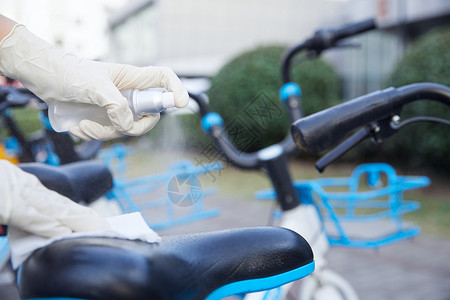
(54, 75)
(28, 205)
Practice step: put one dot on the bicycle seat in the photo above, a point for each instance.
(83, 181)
(190, 267)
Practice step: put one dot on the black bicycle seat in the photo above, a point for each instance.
(83, 181)
(207, 265)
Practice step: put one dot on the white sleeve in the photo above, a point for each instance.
(9, 189)
(27, 204)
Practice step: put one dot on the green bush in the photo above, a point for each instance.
(424, 144)
(27, 120)
(245, 93)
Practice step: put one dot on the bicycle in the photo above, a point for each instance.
(213, 125)
(375, 116)
(199, 266)
(299, 214)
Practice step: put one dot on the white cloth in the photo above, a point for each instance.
(54, 75)
(128, 226)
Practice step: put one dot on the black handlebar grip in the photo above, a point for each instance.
(326, 128)
(327, 38)
(324, 39)
(354, 29)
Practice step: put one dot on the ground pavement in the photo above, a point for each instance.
(414, 269)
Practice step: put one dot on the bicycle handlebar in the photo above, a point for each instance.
(346, 31)
(324, 39)
(236, 157)
(326, 128)
(214, 125)
(273, 159)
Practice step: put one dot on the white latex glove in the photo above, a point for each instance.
(28, 205)
(54, 75)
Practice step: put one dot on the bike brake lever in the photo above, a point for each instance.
(378, 131)
(343, 148)
(347, 44)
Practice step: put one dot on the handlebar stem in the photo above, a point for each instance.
(290, 94)
(282, 182)
(324, 39)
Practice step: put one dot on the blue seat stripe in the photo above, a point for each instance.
(261, 284)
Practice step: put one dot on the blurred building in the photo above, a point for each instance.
(196, 37)
(366, 68)
(79, 26)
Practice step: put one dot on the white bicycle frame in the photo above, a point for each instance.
(323, 283)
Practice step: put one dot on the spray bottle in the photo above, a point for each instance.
(64, 115)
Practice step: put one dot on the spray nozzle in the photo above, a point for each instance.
(152, 101)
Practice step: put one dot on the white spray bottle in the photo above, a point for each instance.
(64, 115)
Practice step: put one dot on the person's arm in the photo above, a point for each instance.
(54, 75)
(28, 205)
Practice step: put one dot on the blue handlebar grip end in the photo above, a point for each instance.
(290, 89)
(210, 120)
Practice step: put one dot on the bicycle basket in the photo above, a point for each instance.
(363, 210)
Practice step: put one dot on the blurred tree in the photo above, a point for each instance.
(245, 93)
(424, 144)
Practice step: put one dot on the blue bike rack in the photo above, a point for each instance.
(373, 194)
(126, 190)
